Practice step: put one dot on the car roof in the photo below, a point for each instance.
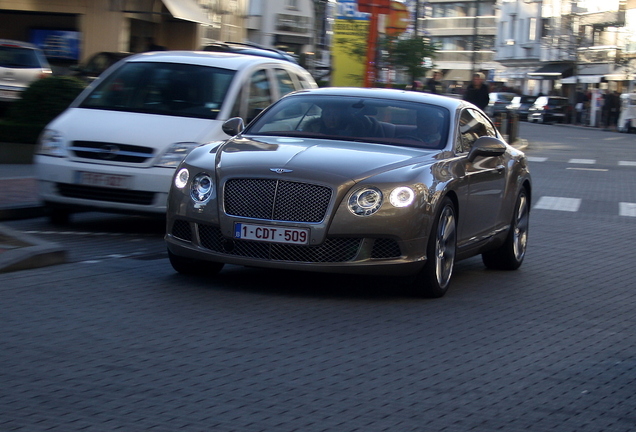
(380, 93)
(248, 48)
(233, 61)
(17, 44)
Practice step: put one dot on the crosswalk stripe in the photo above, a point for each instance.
(627, 209)
(558, 203)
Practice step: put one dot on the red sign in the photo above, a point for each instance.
(375, 6)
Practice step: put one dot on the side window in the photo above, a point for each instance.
(260, 94)
(472, 125)
(285, 81)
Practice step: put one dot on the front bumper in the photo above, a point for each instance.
(145, 189)
(336, 254)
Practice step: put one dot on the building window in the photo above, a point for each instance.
(291, 4)
(532, 29)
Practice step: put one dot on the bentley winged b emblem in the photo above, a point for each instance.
(280, 170)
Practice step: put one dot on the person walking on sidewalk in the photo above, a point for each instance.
(434, 84)
(477, 92)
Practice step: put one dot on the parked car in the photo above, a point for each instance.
(498, 103)
(249, 48)
(548, 109)
(117, 145)
(97, 64)
(21, 63)
(520, 106)
(364, 181)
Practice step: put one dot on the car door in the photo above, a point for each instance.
(484, 182)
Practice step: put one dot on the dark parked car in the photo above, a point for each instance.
(498, 103)
(520, 106)
(248, 48)
(548, 109)
(97, 64)
(350, 180)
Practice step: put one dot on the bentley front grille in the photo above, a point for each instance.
(111, 152)
(276, 200)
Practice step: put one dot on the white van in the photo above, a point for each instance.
(116, 147)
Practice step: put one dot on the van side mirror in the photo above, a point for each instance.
(486, 147)
(233, 126)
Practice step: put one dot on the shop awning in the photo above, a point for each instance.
(583, 79)
(552, 71)
(458, 75)
(187, 10)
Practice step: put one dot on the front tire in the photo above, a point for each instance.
(434, 279)
(194, 267)
(509, 256)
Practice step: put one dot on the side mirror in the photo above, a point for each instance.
(486, 147)
(233, 126)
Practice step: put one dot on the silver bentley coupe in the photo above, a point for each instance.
(352, 180)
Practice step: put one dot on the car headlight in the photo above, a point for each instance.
(365, 201)
(181, 179)
(51, 143)
(202, 187)
(402, 196)
(175, 154)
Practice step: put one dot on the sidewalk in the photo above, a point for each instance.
(18, 200)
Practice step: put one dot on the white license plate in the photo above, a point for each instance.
(102, 180)
(8, 94)
(269, 233)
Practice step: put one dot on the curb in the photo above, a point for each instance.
(20, 251)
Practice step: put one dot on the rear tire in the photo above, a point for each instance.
(195, 267)
(434, 279)
(510, 254)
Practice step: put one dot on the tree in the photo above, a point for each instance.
(409, 54)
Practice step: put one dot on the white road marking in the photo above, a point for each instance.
(627, 209)
(558, 203)
(582, 161)
(627, 163)
(588, 169)
(537, 159)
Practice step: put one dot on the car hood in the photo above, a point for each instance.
(315, 159)
(148, 130)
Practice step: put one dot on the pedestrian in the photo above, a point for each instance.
(580, 102)
(415, 86)
(434, 84)
(477, 92)
(613, 103)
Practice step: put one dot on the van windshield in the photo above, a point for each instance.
(163, 88)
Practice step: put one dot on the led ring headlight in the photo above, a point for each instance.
(365, 202)
(202, 187)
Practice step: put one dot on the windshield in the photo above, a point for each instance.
(163, 88)
(355, 119)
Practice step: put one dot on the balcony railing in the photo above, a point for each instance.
(602, 54)
(464, 56)
(458, 23)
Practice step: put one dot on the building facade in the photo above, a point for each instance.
(464, 32)
(121, 25)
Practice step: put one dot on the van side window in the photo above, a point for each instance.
(285, 81)
(260, 94)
